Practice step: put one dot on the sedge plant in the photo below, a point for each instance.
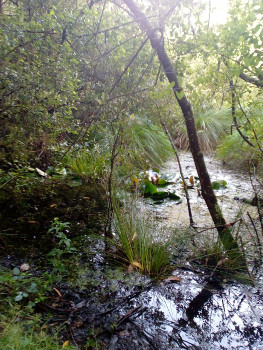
(136, 241)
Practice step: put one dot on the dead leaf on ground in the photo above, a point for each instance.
(191, 180)
(41, 172)
(172, 279)
(221, 262)
(53, 205)
(134, 237)
(81, 304)
(32, 222)
(77, 324)
(66, 343)
(58, 292)
(24, 267)
(130, 268)
(136, 264)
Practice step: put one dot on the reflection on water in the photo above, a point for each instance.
(194, 315)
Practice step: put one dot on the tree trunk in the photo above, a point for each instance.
(211, 201)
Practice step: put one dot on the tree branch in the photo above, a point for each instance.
(129, 64)
(248, 79)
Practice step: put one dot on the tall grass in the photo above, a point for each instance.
(234, 149)
(137, 243)
(148, 143)
(211, 127)
(142, 144)
(89, 163)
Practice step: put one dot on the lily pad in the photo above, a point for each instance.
(174, 196)
(220, 184)
(162, 182)
(149, 188)
(160, 195)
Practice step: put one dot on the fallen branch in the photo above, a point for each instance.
(215, 227)
(130, 313)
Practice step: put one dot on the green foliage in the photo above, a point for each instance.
(20, 331)
(234, 149)
(150, 190)
(23, 286)
(219, 184)
(63, 245)
(236, 152)
(92, 164)
(137, 244)
(148, 144)
(38, 83)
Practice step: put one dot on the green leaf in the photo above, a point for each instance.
(16, 271)
(75, 183)
(149, 188)
(160, 195)
(180, 94)
(171, 85)
(19, 297)
(162, 182)
(174, 196)
(220, 184)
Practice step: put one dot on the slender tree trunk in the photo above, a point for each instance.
(224, 233)
(182, 175)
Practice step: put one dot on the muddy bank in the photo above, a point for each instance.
(197, 312)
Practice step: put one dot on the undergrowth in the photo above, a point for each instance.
(137, 243)
(21, 330)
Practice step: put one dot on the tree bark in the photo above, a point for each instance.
(225, 235)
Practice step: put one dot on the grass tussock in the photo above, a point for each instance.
(211, 126)
(149, 143)
(137, 243)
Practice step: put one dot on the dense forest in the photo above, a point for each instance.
(97, 98)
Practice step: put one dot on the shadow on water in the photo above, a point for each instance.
(195, 315)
